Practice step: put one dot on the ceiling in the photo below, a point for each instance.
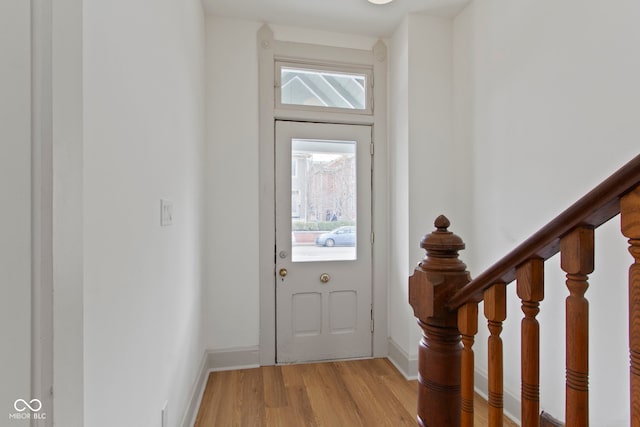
(345, 16)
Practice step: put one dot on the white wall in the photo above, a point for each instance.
(15, 216)
(143, 141)
(548, 98)
(421, 149)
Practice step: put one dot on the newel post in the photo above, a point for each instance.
(434, 281)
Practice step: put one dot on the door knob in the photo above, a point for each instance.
(324, 278)
(283, 272)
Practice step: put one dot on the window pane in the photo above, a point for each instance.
(324, 216)
(300, 86)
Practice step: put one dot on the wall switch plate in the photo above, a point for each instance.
(165, 415)
(166, 212)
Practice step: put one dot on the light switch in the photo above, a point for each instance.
(166, 212)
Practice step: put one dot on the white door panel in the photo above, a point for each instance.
(323, 241)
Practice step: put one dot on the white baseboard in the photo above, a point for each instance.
(511, 402)
(217, 360)
(400, 359)
(233, 358)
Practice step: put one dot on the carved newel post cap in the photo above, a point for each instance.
(442, 240)
(442, 245)
(440, 274)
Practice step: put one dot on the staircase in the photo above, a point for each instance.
(445, 301)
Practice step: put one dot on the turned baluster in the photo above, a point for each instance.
(434, 281)
(495, 310)
(576, 259)
(530, 289)
(468, 326)
(630, 224)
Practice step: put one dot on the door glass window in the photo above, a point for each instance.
(324, 218)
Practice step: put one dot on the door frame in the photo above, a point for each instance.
(269, 50)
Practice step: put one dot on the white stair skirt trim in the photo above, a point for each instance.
(189, 417)
(217, 360)
(511, 402)
(408, 367)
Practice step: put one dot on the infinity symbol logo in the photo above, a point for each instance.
(21, 405)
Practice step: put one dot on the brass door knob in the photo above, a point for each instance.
(324, 277)
(283, 272)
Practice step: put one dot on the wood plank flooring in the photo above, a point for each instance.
(336, 394)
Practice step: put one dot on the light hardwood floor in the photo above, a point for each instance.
(336, 394)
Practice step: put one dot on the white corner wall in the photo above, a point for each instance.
(547, 95)
(67, 240)
(143, 70)
(421, 152)
(399, 311)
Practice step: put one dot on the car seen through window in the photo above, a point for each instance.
(341, 236)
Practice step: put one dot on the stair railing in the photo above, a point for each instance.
(445, 301)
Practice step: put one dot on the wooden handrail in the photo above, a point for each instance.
(594, 209)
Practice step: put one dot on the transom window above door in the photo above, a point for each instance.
(315, 87)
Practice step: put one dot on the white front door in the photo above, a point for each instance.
(323, 241)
